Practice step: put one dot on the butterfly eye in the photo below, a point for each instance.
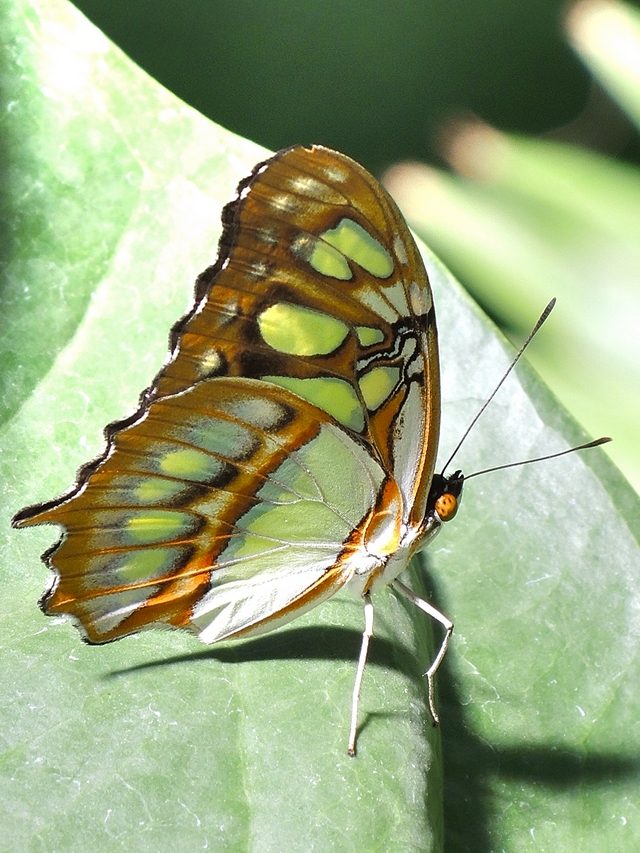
(447, 506)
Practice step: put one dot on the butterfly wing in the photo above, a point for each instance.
(221, 509)
(319, 287)
(302, 391)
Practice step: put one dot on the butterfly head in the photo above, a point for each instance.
(445, 495)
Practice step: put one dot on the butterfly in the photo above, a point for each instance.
(287, 447)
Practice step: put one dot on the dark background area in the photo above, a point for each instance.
(373, 78)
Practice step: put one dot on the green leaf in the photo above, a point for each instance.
(155, 743)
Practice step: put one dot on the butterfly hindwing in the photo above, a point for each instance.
(215, 511)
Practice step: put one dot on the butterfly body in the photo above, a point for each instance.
(287, 447)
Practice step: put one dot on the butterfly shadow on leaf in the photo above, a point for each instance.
(475, 768)
(295, 643)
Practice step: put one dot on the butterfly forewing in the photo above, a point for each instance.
(320, 288)
(297, 415)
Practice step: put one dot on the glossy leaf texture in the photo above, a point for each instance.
(155, 743)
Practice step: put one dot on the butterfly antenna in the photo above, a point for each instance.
(516, 359)
(596, 443)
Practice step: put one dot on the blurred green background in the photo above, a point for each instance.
(387, 82)
(372, 78)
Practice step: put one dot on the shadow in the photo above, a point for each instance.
(308, 643)
(471, 765)
(561, 768)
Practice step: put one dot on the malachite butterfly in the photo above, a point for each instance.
(287, 447)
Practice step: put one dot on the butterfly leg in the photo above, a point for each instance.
(364, 650)
(447, 624)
